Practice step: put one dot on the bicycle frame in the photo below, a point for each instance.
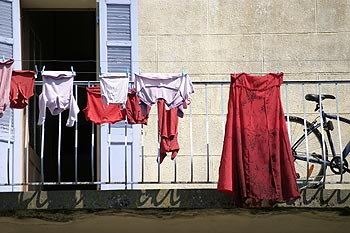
(325, 117)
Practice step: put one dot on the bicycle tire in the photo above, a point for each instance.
(307, 177)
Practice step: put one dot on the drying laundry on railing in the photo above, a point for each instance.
(174, 89)
(57, 95)
(172, 93)
(114, 88)
(22, 88)
(6, 67)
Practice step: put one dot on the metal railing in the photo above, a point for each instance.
(201, 134)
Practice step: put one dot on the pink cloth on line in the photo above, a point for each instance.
(6, 68)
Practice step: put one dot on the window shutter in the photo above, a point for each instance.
(118, 35)
(6, 39)
(6, 48)
(118, 53)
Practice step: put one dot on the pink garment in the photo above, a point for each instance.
(57, 96)
(5, 80)
(174, 89)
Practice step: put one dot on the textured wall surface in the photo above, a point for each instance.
(306, 39)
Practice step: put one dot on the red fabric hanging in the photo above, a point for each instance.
(101, 113)
(134, 110)
(256, 161)
(168, 122)
(21, 88)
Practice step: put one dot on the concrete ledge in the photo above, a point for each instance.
(146, 199)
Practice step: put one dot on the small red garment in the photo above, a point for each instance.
(134, 111)
(256, 161)
(22, 88)
(101, 113)
(168, 122)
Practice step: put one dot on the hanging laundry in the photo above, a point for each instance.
(57, 96)
(168, 122)
(256, 162)
(114, 88)
(136, 113)
(99, 112)
(5, 80)
(22, 88)
(174, 89)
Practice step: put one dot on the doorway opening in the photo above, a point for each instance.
(59, 40)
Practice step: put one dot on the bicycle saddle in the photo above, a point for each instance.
(315, 98)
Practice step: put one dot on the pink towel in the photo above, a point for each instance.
(5, 80)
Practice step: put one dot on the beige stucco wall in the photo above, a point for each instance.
(306, 39)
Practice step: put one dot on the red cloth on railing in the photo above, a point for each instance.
(168, 122)
(256, 161)
(134, 111)
(22, 88)
(98, 112)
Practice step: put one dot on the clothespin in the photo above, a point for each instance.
(100, 72)
(234, 71)
(127, 72)
(36, 71)
(89, 84)
(183, 72)
(71, 68)
(3, 58)
(278, 70)
(42, 71)
(140, 71)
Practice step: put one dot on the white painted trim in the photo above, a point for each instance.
(18, 146)
(134, 36)
(103, 35)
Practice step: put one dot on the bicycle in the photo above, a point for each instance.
(311, 152)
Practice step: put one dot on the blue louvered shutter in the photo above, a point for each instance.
(10, 48)
(119, 42)
(6, 47)
(6, 29)
(118, 53)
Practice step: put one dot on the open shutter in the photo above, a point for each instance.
(118, 53)
(10, 48)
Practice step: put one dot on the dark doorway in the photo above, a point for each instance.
(59, 40)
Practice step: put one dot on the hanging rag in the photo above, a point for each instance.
(135, 113)
(256, 161)
(114, 88)
(168, 122)
(57, 96)
(6, 68)
(174, 89)
(100, 113)
(22, 88)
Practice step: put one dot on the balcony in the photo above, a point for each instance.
(92, 157)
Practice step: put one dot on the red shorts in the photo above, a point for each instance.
(100, 113)
(22, 88)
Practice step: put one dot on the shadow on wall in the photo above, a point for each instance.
(161, 198)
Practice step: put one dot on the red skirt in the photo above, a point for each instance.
(256, 161)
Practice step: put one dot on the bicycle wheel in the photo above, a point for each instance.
(307, 175)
